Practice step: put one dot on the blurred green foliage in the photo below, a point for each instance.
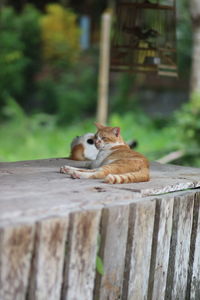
(70, 96)
(184, 38)
(56, 82)
(187, 120)
(43, 86)
(60, 34)
(19, 55)
(25, 137)
(38, 63)
(123, 98)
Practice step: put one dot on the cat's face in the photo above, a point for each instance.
(86, 141)
(107, 137)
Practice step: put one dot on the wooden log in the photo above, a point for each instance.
(160, 248)
(47, 269)
(81, 254)
(180, 247)
(16, 245)
(138, 254)
(114, 230)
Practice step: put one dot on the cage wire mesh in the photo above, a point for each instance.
(144, 37)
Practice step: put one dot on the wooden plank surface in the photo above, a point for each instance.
(16, 246)
(160, 248)
(33, 188)
(180, 248)
(81, 255)
(194, 283)
(150, 241)
(47, 270)
(114, 230)
(138, 255)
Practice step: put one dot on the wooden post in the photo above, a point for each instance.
(104, 61)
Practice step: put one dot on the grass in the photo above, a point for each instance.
(38, 136)
(36, 139)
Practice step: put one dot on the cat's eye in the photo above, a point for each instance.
(90, 141)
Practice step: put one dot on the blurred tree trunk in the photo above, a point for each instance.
(195, 17)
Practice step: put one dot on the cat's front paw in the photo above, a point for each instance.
(75, 175)
(64, 169)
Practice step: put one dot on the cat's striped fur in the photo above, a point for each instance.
(115, 162)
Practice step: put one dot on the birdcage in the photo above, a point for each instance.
(144, 37)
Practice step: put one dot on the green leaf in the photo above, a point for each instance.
(99, 265)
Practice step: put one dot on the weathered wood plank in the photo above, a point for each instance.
(34, 187)
(160, 248)
(180, 247)
(138, 255)
(16, 245)
(114, 230)
(47, 269)
(194, 284)
(81, 255)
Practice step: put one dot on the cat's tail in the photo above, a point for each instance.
(138, 176)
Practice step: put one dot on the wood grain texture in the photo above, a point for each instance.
(16, 245)
(138, 255)
(150, 240)
(194, 282)
(160, 248)
(114, 230)
(35, 189)
(180, 248)
(81, 256)
(47, 270)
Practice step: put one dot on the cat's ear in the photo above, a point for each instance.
(116, 131)
(99, 126)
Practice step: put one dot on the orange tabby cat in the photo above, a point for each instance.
(115, 162)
